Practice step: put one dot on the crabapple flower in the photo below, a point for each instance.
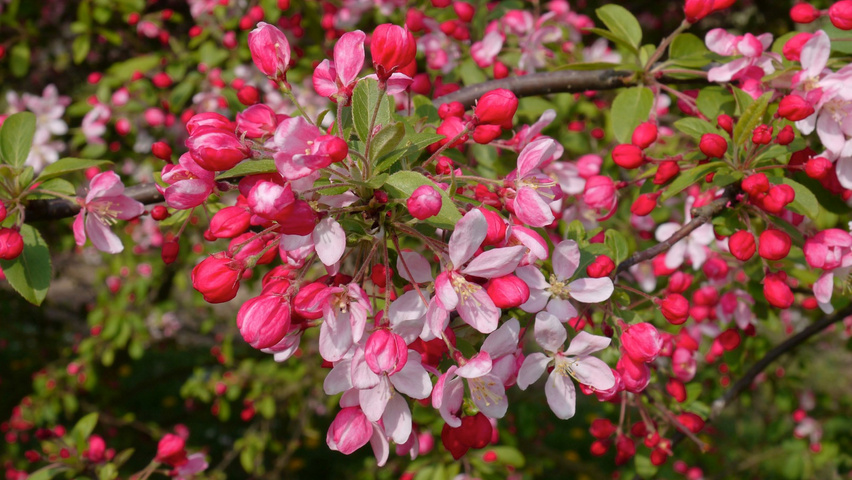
(392, 48)
(104, 203)
(751, 49)
(830, 250)
(693, 246)
(535, 190)
(270, 51)
(189, 184)
(336, 80)
(554, 295)
(575, 362)
(302, 149)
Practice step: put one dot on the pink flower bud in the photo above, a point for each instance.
(257, 121)
(599, 192)
(248, 95)
(804, 13)
(271, 200)
(635, 375)
(601, 267)
(264, 320)
(497, 227)
(270, 51)
(676, 389)
(450, 128)
(715, 268)
(452, 109)
(305, 303)
(742, 245)
(679, 282)
(695, 10)
(96, 451)
(349, 431)
(171, 450)
(761, 135)
(776, 290)
(208, 119)
(756, 184)
(508, 291)
(250, 244)
(170, 252)
(666, 171)
(691, 421)
(793, 48)
(645, 204)
(795, 108)
(11, 244)
(331, 146)
(589, 165)
(230, 222)
(644, 135)
(216, 150)
(602, 428)
(465, 11)
(675, 308)
(774, 244)
(726, 123)
(162, 150)
(392, 47)
(729, 339)
(628, 156)
(424, 202)
(641, 342)
(497, 107)
(785, 136)
(713, 145)
(840, 14)
(385, 352)
(217, 278)
(485, 134)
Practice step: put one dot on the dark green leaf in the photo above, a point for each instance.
(68, 165)
(364, 100)
(687, 50)
(617, 243)
(16, 138)
(714, 100)
(30, 273)
(695, 127)
(386, 140)
(84, 428)
(630, 108)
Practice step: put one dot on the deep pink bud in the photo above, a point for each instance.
(270, 51)
(334, 147)
(485, 134)
(257, 121)
(450, 128)
(776, 290)
(679, 282)
(216, 150)
(497, 107)
(230, 222)
(424, 202)
(729, 339)
(263, 321)
(785, 136)
(599, 192)
(818, 167)
(96, 449)
(171, 450)
(452, 109)
(465, 11)
(761, 135)
(676, 389)
(496, 227)
(305, 303)
(635, 375)
(840, 14)
(712, 145)
(795, 108)
(644, 135)
(742, 245)
(628, 156)
(804, 13)
(666, 171)
(508, 291)
(170, 252)
(392, 48)
(11, 244)
(642, 342)
(208, 119)
(715, 268)
(385, 352)
(726, 123)
(644, 204)
(602, 428)
(793, 48)
(756, 184)
(349, 431)
(675, 308)
(695, 10)
(162, 150)
(217, 278)
(2, 211)
(774, 244)
(601, 267)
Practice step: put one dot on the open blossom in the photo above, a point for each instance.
(556, 293)
(750, 49)
(535, 190)
(189, 184)
(104, 203)
(302, 149)
(694, 246)
(336, 80)
(576, 362)
(830, 250)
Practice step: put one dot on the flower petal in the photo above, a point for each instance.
(591, 290)
(566, 258)
(534, 365)
(504, 340)
(585, 343)
(561, 396)
(549, 332)
(470, 231)
(497, 262)
(329, 240)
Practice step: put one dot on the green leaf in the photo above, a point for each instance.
(16, 138)
(424, 108)
(470, 73)
(19, 59)
(386, 140)
(68, 165)
(622, 23)
(250, 167)
(364, 100)
(743, 100)
(30, 273)
(687, 50)
(615, 39)
(694, 127)
(84, 428)
(45, 473)
(58, 185)
(507, 455)
(402, 184)
(688, 177)
(713, 101)
(80, 47)
(630, 108)
(617, 243)
(752, 116)
(805, 202)
(123, 71)
(644, 467)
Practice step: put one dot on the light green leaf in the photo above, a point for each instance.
(19, 59)
(688, 177)
(249, 167)
(615, 39)
(470, 73)
(695, 127)
(30, 273)
(364, 100)
(16, 138)
(644, 467)
(713, 101)
(386, 140)
(68, 165)
(630, 108)
(752, 116)
(83, 429)
(622, 23)
(80, 47)
(402, 184)
(687, 50)
(507, 455)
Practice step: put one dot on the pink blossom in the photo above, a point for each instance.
(830, 250)
(94, 124)
(693, 246)
(337, 79)
(104, 203)
(486, 50)
(751, 49)
(302, 149)
(535, 190)
(189, 184)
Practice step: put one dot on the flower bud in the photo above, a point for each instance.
(208, 119)
(497, 107)
(691, 421)
(792, 50)
(475, 431)
(450, 128)
(635, 375)
(695, 10)
(349, 431)
(216, 150)
(785, 136)
(599, 192)
(679, 282)
(644, 204)
(675, 308)
(496, 227)
(264, 320)
(641, 342)
(795, 108)
(270, 200)
(729, 339)
(424, 202)
(170, 252)
(726, 123)
(162, 150)
(666, 171)
(11, 244)
(713, 145)
(270, 51)
(601, 267)
(840, 14)
(756, 184)
(628, 156)
(676, 389)
(776, 290)
(217, 278)
(774, 244)
(508, 291)
(804, 13)
(465, 11)
(742, 246)
(392, 47)
(230, 222)
(485, 134)
(171, 450)
(602, 428)
(257, 121)
(818, 167)
(761, 135)
(305, 303)
(380, 274)
(385, 352)
(452, 109)
(644, 135)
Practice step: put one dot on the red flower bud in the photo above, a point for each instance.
(465, 11)
(742, 246)
(450, 128)
(170, 252)
(452, 109)
(508, 291)
(230, 222)
(270, 51)
(644, 135)
(162, 150)
(208, 119)
(675, 308)
(776, 290)
(726, 123)
(171, 450)
(380, 274)
(756, 184)
(774, 244)
(264, 320)
(761, 135)
(601, 267)
(305, 303)
(625, 448)
(424, 202)
(628, 156)
(599, 192)
(392, 47)
(785, 136)
(818, 167)
(602, 428)
(216, 150)
(804, 13)
(496, 227)
(11, 244)
(729, 339)
(257, 121)
(641, 342)
(497, 107)
(840, 14)
(712, 145)
(644, 204)
(666, 171)
(217, 278)
(695, 10)
(679, 282)
(485, 134)
(795, 108)
(676, 389)
(715, 268)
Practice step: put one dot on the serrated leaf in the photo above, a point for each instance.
(687, 50)
(805, 202)
(68, 165)
(694, 127)
(249, 167)
(364, 100)
(752, 116)
(622, 23)
(386, 140)
(402, 184)
(630, 108)
(30, 273)
(688, 177)
(16, 138)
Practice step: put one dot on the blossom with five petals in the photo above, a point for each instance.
(104, 203)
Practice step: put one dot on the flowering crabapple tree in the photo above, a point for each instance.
(425, 239)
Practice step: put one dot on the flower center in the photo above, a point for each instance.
(559, 289)
(480, 392)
